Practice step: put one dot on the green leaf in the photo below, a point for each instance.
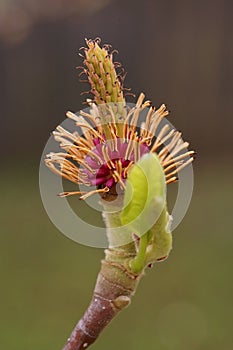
(161, 239)
(145, 194)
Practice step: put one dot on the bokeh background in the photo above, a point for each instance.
(178, 52)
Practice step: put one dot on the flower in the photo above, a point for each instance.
(111, 138)
(106, 83)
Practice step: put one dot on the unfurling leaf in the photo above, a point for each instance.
(145, 194)
(145, 211)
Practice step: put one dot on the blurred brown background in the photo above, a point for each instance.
(177, 52)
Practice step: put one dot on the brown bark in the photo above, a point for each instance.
(114, 287)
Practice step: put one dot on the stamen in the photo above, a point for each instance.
(140, 100)
(63, 142)
(136, 148)
(107, 159)
(161, 111)
(173, 143)
(163, 153)
(82, 142)
(114, 138)
(92, 154)
(183, 155)
(87, 126)
(159, 137)
(119, 166)
(71, 176)
(173, 179)
(82, 162)
(145, 125)
(88, 194)
(52, 167)
(84, 114)
(130, 146)
(173, 165)
(126, 125)
(66, 194)
(146, 140)
(125, 132)
(125, 171)
(85, 194)
(184, 164)
(176, 138)
(167, 137)
(60, 131)
(119, 179)
(113, 126)
(154, 124)
(156, 118)
(133, 123)
(178, 148)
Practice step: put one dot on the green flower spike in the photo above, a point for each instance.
(106, 84)
(130, 170)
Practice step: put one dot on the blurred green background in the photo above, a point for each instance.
(177, 52)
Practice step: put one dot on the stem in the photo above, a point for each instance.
(121, 270)
(115, 285)
(138, 263)
(114, 288)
